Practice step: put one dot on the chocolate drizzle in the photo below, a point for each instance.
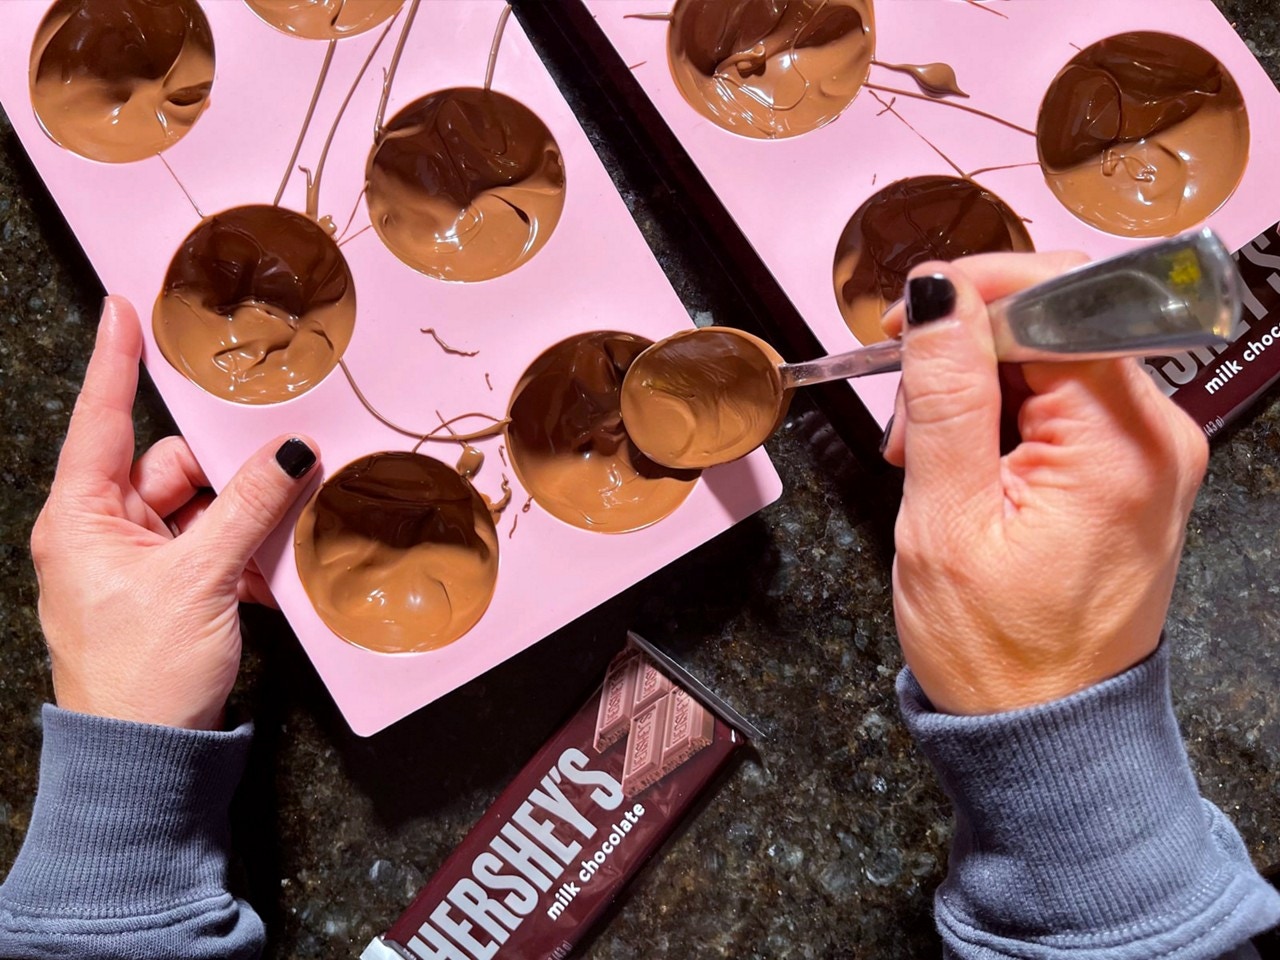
(465, 184)
(121, 80)
(935, 79)
(1143, 135)
(398, 553)
(257, 306)
(703, 397)
(770, 68)
(324, 19)
(569, 448)
(905, 224)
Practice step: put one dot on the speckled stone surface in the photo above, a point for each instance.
(826, 845)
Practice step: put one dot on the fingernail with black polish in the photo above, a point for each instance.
(929, 299)
(884, 441)
(295, 458)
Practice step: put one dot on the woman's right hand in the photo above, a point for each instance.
(1022, 578)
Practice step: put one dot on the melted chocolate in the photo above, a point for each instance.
(1143, 135)
(397, 553)
(568, 445)
(324, 19)
(465, 184)
(703, 397)
(770, 68)
(121, 80)
(935, 79)
(257, 307)
(905, 224)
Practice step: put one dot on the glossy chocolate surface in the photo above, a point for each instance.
(569, 448)
(703, 397)
(905, 224)
(935, 79)
(398, 553)
(1143, 135)
(465, 184)
(258, 305)
(770, 68)
(325, 19)
(121, 80)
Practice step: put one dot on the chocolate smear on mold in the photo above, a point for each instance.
(907, 223)
(324, 19)
(704, 397)
(121, 80)
(257, 306)
(770, 68)
(306, 120)
(445, 347)
(935, 79)
(465, 184)
(1143, 135)
(398, 553)
(569, 448)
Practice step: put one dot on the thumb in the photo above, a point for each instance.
(950, 397)
(250, 506)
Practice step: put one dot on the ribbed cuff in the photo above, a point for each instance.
(1079, 826)
(130, 818)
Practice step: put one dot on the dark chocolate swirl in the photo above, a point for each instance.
(770, 68)
(465, 184)
(905, 224)
(568, 444)
(398, 553)
(121, 80)
(1143, 134)
(258, 305)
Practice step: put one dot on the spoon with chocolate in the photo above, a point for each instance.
(705, 397)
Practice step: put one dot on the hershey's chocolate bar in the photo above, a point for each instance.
(662, 737)
(616, 698)
(1216, 384)
(565, 837)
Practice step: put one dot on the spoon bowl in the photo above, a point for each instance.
(704, 397)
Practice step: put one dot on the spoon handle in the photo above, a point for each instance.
(880, 357)
(1158, 300)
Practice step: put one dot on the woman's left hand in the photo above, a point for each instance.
(140, 567)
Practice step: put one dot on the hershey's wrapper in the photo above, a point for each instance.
(567, 834)
(1215, 385)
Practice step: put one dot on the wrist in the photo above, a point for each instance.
(155, 798)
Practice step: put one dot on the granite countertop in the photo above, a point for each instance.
(828, 844)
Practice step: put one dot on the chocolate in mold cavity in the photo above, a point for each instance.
(1143, 135)
(121, 80)
(465, 184)
(398, 553)
(770, 68)
(258, 305)
(703, 397)
(569, 448)
(905, 224)
(324, 19)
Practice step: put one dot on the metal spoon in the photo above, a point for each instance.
(705, 397)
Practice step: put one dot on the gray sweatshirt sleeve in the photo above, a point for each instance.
(1080, 831)
(126, 855)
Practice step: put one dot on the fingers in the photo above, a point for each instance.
(251, 505)
(253, 588)
(167, 476)
(1107, 414)
(993, 275)
(184, 517)
(99, 442)
(950, 398)
(997, 275)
